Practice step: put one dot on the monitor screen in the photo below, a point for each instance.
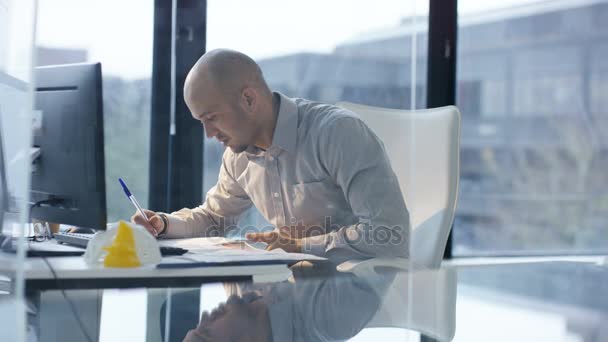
(68, 177)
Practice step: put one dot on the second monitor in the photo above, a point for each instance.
(68, 178)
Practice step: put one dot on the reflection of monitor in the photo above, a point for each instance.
(68, 177)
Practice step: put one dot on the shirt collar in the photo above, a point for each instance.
(285, 132)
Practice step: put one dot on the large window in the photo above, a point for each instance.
(119, 35)
(532, 82)
(532, 79)
(327, 51)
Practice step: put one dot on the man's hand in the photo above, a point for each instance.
(278, 239)
(154, 226)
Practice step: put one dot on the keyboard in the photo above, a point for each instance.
(74, 239)
(82, 240)
(39, 249)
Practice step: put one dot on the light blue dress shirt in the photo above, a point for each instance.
(326, 172)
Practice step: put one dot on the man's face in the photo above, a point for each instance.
(223, 117)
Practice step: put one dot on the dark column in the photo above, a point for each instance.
(441, 72)
(176, 160)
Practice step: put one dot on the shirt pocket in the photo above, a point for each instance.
(316, 202)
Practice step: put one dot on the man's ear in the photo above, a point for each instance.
(249, 99)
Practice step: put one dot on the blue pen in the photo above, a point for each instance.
(132, 199)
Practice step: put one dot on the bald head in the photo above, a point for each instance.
(228, 71)
(226, 91)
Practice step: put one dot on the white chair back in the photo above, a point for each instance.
(424, 149)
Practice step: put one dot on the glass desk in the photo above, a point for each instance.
(506, 299)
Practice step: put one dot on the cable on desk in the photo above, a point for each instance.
(70, 303)
(40, 203)
(51, 201)
(47, 234)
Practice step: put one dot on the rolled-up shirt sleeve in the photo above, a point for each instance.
(356, 160)
(223, 206)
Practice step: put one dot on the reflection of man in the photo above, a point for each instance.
(316, 171)
(316, 305)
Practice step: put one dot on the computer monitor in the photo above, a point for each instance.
(68, 175)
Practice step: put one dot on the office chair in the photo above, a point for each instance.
(424, 149)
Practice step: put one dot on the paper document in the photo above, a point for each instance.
(217, 250)
(202, 244)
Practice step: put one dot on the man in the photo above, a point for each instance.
(315, 171)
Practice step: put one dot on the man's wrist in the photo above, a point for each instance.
(165, 220)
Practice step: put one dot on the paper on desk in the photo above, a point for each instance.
(203, 244)
(218, 250)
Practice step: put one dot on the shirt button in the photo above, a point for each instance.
(276, 194)
(271, 158)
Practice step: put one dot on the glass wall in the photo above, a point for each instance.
(17, 22)
(119, 35)
(534, 147)
(532, 79)
(326, 51)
